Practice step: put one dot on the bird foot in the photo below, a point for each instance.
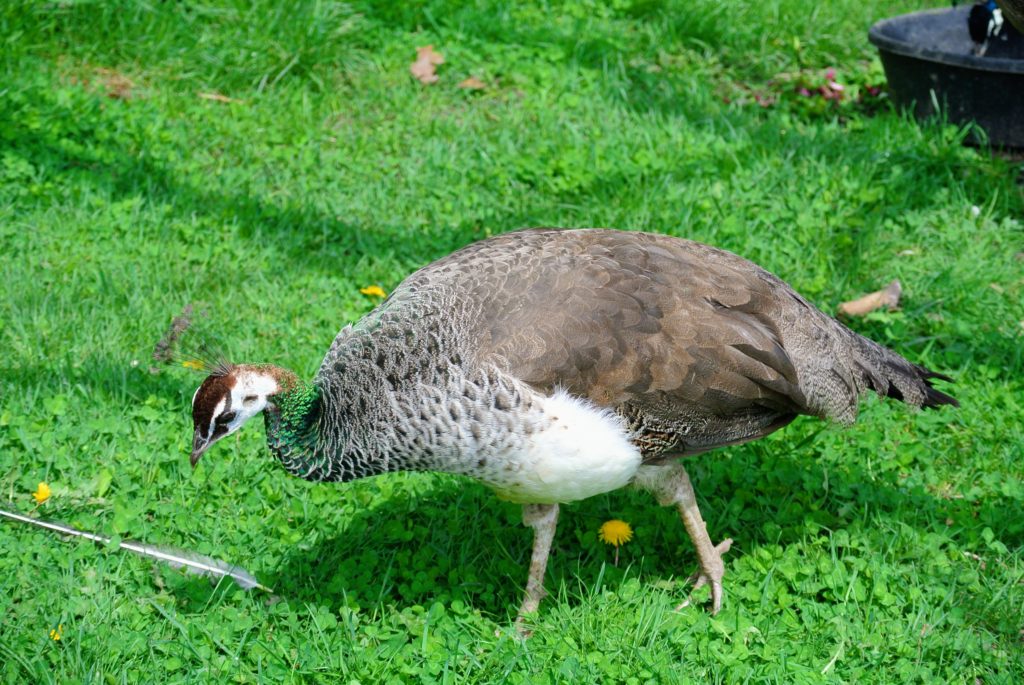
(710, 573)
(521, 629)
(528, 613)
(524, 630)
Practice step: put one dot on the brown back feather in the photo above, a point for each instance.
(695, 346)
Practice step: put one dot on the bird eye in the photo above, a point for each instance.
(226, 417)
(248, 400)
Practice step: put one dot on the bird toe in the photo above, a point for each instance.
(711, 573)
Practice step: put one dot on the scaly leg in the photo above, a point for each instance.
(543, 518)
(670, 485)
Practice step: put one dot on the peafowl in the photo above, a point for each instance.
(992, 36)
(554, 365)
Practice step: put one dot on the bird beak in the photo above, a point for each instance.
(199, 445)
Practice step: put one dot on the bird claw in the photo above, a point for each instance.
(710, 573)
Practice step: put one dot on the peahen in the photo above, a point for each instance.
(992, 36)
(554, 365)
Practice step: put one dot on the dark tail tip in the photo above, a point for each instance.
(936, 398)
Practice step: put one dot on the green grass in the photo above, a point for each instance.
(892, 551)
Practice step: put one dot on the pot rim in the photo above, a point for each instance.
(877, 36)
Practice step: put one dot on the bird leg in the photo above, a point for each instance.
(543, 518)
(670, 485)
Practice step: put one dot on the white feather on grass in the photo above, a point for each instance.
(177, 558)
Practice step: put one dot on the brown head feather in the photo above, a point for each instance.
(213, 390)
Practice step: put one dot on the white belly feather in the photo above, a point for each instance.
(582, 451)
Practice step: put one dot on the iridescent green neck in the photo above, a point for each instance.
(292, 419)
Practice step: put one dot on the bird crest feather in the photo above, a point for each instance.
(186, 344)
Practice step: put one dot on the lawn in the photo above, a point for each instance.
(271, 159)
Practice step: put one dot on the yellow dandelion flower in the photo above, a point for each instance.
(57, 633)
(193, 364)
(615, 532)
(42, 493)
(373, 291)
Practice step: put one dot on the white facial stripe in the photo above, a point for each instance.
(213, 419)
(194, 396)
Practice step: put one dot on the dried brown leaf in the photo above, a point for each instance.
(117, 85)
(424, 68)
(888, 297)
(217, 97)
(473, 83)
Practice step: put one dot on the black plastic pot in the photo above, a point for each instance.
(930, 64)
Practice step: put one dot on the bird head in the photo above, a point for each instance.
(227, 399)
